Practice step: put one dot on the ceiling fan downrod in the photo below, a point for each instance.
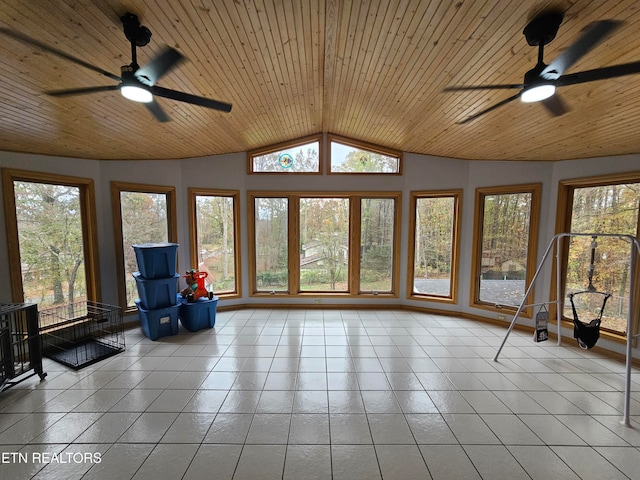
(138, 35)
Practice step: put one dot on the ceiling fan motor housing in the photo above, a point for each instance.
(135, 33)
(543, 28)
(127, 73)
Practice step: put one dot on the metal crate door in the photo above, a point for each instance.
(6, 357)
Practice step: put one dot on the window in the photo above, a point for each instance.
(505, 227)
(377, 235)
(351, 156)
(301, 156)
(604, 205)
(270, 243)
(324, 244)
(214, 239)
(433, 254)
(142, 214)
(320, 244)
(51, 230)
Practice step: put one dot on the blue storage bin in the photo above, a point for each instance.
(199, 314)
(157, 293)
(156, 260)
(158, 323)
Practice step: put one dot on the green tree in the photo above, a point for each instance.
(271, 240)
(325, 228)
(434, 236)
(604, 209)
(376, 243)
(144, 220)
(51, 242)
(505, 234)
(364, 161)
(305, 159)
(215, 219)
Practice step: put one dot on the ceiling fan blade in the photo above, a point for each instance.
(599, 74)
(157, 111)
(491, 108)
(594, 34)
(188, 98)
(484, 87)
(150, 73)
(42, 46)
(555, 105)
(82, 91)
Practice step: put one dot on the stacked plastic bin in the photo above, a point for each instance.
(197, 315)
(157, 283)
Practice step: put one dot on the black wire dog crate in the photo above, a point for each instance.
(79, 334)
(20, 348)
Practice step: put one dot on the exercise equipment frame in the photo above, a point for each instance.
(557, 240)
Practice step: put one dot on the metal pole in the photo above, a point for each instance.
(627, 383)
(524, 299)
(560, 301)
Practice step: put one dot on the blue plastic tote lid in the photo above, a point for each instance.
(155, 245)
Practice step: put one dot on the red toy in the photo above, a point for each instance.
(195, 286)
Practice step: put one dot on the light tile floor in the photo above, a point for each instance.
(334, 394)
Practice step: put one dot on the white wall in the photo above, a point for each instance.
(421, 172)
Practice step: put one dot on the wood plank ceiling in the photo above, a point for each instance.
(370, 70)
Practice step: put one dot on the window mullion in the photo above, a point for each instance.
(355, 257)
(90, 243)
(294, 244)
(253, 251)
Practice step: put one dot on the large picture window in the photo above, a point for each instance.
(338, 243)
(433, 254)
(324, 244)
(270, 243)
(214, 237)
(377, 244)
(506, 223)
(604, 205)
(142, 214)
(51, 237)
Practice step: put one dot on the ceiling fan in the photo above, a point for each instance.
(136, 83)
(541, 81)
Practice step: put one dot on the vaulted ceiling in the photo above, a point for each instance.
(369, 70)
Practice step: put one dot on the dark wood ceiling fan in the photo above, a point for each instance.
(135, 83)
(541, 81)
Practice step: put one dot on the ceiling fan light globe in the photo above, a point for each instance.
(137, 94)
(538, 93)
